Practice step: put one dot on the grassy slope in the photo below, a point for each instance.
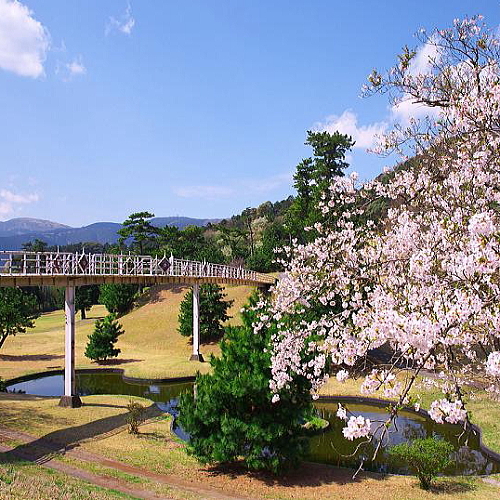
(151, 346)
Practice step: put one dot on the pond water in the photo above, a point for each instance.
(328, 447)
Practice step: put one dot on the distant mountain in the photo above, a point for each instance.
(181, 222)
(25, 225)
(53, 233)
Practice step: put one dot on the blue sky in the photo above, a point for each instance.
(193, 108)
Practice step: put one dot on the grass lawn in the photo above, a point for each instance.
(28, 480)
(151, 346)
(99, 427)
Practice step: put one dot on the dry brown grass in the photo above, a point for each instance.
(157, 450)
(26, 480)
(151, 346)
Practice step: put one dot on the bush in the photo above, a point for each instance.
(315, 424)
(213, 312)
(136, 415)
(427, 457)
(233, 417)
(118, 299)
(16, 312)
(101, 342)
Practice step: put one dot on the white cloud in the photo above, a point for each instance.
(247, 186)
(347, 123)
(426, 55)
(204, 192)
(124, 24)
(10, 201)
(268, 184)
(67, 71)
(407, 109)
(24, 41)
(76, 67)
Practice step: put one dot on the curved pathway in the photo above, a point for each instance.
(32, 448)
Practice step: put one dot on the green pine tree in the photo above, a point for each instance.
(118, 298)
(101, 342)
(233, 416)
(213, 313)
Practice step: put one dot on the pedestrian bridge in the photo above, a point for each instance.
(18, 268)
(69, 270)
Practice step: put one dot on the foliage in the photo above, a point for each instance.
(138, 227)
(16, 312)
(189, 243)
(213, 312)
(136, 415)
(315, 424)
(427, 457)
(313, 177)
(35, 246)
(425, 281)
(46, 298)
(273, 236)
(86, 296)
(252, 235)
(232, 414)
(118, 298)
(85, 246)
(101, 342)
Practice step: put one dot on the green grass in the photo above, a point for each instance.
(157, 450)
(28, 480)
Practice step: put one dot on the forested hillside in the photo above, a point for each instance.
(247, 239)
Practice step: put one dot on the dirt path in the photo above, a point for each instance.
(45, 453)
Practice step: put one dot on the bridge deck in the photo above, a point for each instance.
(18, 268)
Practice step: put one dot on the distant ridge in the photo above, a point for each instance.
(15, 232)
(25, 225)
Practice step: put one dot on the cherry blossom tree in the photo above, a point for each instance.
(426, 281)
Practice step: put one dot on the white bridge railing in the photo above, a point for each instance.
(20, 263)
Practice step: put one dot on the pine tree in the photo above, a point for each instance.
(233, 416)
(118, 298)
(101, 342)
(213, 312)
(16, 312)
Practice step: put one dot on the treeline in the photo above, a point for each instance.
(248, 239)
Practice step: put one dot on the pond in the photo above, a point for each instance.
(328, 447)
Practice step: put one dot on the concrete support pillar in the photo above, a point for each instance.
(70, 397)
(196, 356)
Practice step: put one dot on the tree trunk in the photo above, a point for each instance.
(82, 310)
(3, 338)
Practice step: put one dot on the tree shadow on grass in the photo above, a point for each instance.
(13, 417)
(44, 448)
(306, 475)
(154, 294)
(89, 319)
(31, 357)
(114, 362)
(452, 487)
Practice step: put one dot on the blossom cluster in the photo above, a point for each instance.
(357, 427)
(450, 411)
(426, 281)
(493, 364)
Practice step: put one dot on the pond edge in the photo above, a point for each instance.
(321, 398)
